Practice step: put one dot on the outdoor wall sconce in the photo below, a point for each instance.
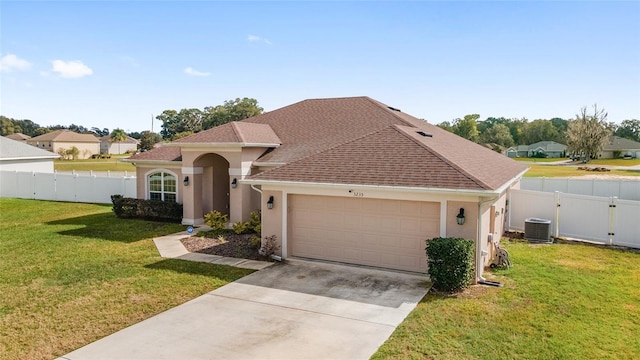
(234, 183)
(186, 181)
(270, 203)
(460, 217)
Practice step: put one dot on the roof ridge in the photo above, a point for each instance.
(237, 131)
(393, 113)
(443, 158)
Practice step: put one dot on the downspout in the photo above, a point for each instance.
(479, 252)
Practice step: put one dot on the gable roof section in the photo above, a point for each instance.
(16, 150)
(161, 153)
(618, 143)
(18, 136)
(399, 156)
(65, 136)
(235, 132)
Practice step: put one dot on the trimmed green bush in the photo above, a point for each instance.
(127, 208)
(450, 263)
(216, 220)
(242, 227)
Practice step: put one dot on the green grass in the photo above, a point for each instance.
(112, 164)
(73, 273)
(540, 160)
(567, 171)
(615, 162)
(559, 302)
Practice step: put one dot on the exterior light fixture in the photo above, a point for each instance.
(234, 183)
(270, 203)
(460, 217)
(186, 181)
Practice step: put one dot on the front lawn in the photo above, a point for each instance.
(571, 171)
(540, 160)
(74, 273)
(559, 301)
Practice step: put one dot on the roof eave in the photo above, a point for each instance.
(32, 157)
(483, 193)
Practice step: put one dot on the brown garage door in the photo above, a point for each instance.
(384, 233)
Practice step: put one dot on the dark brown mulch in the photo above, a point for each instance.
(229, 245)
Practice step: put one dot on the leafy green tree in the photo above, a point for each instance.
(173, 122)
(148, 140)
(118, 136)
(588, 133)
(100, 133)
(517, 128)
(497, 134)
(629, 129)
(231, 110)
(467, 127)
(73, 152)
(446, 125)
(540, 130)
(8, 127)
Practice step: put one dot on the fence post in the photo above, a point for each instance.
(612, 218)
(557, 201)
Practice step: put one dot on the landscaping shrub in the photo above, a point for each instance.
(242, 227)
(450, 263)
(216, 220)
(127, 208)
(269, 246)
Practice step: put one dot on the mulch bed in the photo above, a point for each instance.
(229, 245)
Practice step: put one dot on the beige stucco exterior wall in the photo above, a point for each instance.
(469, 230)
(85, 149)
(112, 148)
(272, 219)
(142, 171)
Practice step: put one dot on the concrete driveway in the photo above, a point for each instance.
(298, 310)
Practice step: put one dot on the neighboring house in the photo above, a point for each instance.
(111, 147)
(518, 151)
(18, 156)
(19, 137)
(346, 179)
(551, 148)
(86, 144)
(619, 147)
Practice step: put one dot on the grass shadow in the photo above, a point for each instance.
(222, 272)
(107, 226)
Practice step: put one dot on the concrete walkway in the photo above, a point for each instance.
(170, 246)
(297, 310)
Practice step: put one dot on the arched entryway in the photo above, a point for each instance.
(215, 183)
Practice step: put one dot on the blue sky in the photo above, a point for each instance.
(114, 64)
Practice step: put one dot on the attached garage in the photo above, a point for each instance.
(374, 232)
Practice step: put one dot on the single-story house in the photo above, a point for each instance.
(551, 148)
(86, 144)
(344, 179)
(19, 137)
(18, 156)
(107, 146)
(618, 147)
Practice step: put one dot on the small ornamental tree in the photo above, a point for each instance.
(450, 263)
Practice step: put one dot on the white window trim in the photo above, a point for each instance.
(147, 193)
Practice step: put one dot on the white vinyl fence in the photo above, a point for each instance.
(621, 188)
(604, 220)
(65, 187)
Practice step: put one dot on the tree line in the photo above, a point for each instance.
(501, 133)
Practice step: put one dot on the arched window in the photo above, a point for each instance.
(162, 186)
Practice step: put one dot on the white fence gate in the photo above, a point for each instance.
(65, 187)
(609, 221)
(622, 189)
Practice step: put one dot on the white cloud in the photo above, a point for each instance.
(193, 72)
(71, 69)
(11, 62)
(255, 38)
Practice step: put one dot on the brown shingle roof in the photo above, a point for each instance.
(235, 132)
(160, 153)
(65, 136)
(18, 137)
(399, 156)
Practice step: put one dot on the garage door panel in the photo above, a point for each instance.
(376, 232)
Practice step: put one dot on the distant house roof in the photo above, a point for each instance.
(618, 143)
(548, 146)
(65, 136)
(357, 140)
(18, 137)
(17, 150)
(128, 140)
